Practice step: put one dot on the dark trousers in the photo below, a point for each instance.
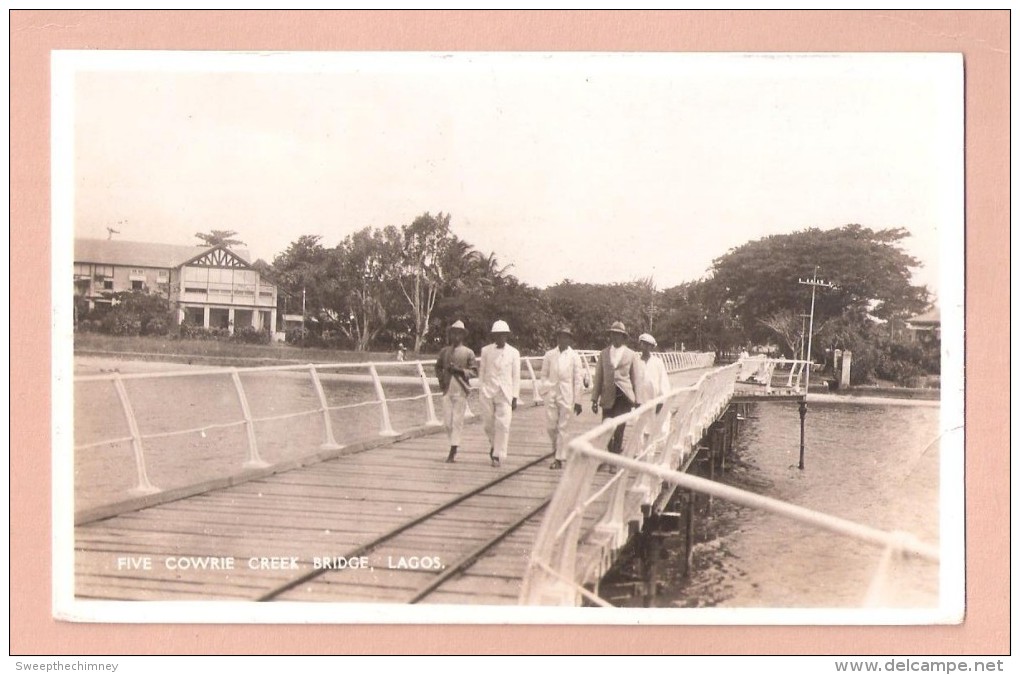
(621, 406)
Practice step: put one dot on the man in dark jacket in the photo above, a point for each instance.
(617, 377)
(455, 366)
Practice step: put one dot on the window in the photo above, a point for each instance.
(198, 274)
(107, 284)
(81, 270)
(195, 316)
(137, 272)
(102, 272)
(163, 276)
(137, 285)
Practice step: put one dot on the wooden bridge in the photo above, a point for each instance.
(385, 520)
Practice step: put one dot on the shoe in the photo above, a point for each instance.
(492, 452)
(557, 464)
(495, 461)
(453, 453)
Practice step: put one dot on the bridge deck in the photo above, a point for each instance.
(478, 523)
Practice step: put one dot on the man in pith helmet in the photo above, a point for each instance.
(499, 381)
(654, 383)
(455, 366)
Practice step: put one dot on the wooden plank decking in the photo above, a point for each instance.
(331, 509)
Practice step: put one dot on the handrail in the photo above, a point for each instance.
(556, 576)
(758, 369)
(316, 373)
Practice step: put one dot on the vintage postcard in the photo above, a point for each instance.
(501, 338)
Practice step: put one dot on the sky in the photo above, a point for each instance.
(592, 167)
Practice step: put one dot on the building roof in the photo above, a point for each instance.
(931, 316)
(140, 253)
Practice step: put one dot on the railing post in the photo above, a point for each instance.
(329, 442)
(254, 460)
(537, 397)
(430, 408)
(386, 429)
(144, 486)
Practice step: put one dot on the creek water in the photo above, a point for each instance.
(877, 465)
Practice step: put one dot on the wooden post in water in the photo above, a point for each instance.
(803, 414)
(727, 439)
(713, 453)
(688, 531)
(650, 561)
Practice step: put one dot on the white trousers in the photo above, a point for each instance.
(496, 416)
(454, 408)
(557, 419)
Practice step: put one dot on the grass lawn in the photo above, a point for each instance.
(216, 352)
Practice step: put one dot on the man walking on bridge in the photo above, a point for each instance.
(617, 381)
(499, 378)
(455, 366)
(563, 380)
(654, 383)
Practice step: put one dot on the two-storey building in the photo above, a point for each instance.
(214, 287)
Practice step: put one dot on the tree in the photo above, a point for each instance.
(219, 238)
(302, 272)
(423, 246)
(869, 268)
(591, 308)
(684, 317)
(788, 327)
(364, 268)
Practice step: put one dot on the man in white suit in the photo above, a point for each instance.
(654, 383)
(499, 382)
(561, 386)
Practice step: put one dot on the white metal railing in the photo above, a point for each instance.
(343, 372)
(374, 373)
(759, 369)
(581, 515)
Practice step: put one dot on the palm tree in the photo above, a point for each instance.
(219, 238)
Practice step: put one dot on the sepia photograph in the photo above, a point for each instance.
(515, 337)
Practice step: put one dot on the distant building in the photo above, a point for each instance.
(210, 286)
(925, 325)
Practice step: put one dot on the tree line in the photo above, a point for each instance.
(382, 286)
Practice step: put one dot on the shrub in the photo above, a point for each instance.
(190, 332)
(249, 335)
(334, 339)
(297, 336)
(132, 313)
(119, 322)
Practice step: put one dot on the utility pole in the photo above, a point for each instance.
(803, 336)
(814, 282)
